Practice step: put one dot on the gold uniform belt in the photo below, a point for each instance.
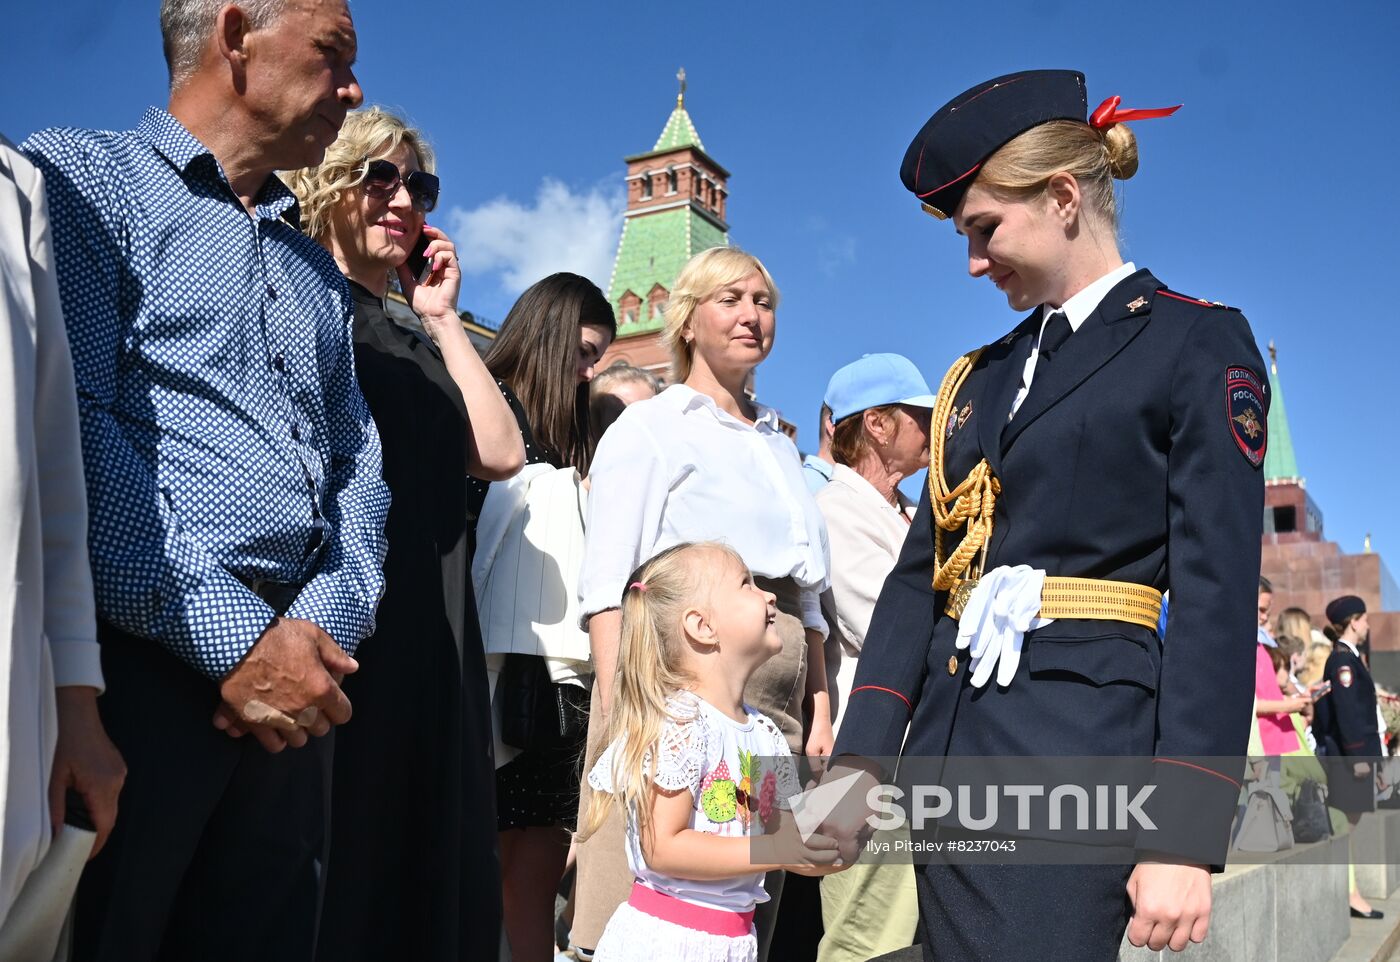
(1083, 598)
(971, 506)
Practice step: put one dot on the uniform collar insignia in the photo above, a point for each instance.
(1137, 304)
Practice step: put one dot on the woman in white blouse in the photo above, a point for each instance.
(700, 462)
(881, 406)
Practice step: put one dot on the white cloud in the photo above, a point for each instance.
(833, 250)
(836, 252)
(561, 231)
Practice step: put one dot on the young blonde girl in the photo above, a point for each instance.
(703, 777)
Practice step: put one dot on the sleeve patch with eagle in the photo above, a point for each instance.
(1244, 407)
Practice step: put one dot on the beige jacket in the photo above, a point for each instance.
(866, 533)
(48, 633)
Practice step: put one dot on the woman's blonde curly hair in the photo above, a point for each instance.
(366, 135)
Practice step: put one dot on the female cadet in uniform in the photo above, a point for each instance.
(1115, 434)
(1346, 725)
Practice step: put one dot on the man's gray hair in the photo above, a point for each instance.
(185, 27)
(620, 372)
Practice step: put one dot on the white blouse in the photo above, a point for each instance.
(738, 775)
(676, 468)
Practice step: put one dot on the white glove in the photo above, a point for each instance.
(1001, 609)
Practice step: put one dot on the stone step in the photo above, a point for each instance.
(1286, 907)
(1292, 906)
(1373, 941)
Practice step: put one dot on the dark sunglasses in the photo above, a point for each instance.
(382, 181)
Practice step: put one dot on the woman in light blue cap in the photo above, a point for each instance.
(880, 406)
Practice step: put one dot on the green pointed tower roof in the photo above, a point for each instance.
(680, 129)
(679, 133)
(662, 230)
(1280, 463)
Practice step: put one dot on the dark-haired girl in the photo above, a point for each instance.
(543, 360)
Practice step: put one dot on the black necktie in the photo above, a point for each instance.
(1057, 331)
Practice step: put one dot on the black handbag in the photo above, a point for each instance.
(535, 712)
(1311, 823)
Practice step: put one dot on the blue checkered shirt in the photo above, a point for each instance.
(225, 438)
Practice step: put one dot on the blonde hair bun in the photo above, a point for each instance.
(1121, 145)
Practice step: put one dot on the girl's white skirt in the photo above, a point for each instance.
(634, 936)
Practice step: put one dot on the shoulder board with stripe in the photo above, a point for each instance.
(1195, 300)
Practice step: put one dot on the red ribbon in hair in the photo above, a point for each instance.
(1107, 113)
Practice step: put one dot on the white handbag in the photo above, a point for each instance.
(1267, 823)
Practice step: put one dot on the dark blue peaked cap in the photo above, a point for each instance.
(1340, 609)
(942, 162)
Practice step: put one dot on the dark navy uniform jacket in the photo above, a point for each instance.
(1126, 461)
(1345, 718)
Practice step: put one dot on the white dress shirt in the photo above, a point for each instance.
(1076, 310)
(48, 625)
(677, 468)
(866, 534)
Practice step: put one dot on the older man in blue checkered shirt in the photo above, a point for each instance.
(233, 473)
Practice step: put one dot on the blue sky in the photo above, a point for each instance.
(1271, 189)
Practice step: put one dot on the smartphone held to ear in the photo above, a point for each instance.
(418, 263)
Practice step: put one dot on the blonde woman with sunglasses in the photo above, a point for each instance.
(412, 866)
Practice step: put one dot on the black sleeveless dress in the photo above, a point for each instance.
(414, 868)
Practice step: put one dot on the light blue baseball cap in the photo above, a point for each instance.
(875, 380)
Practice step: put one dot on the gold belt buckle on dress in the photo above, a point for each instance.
(959, 596)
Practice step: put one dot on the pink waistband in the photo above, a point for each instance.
(668, 908)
